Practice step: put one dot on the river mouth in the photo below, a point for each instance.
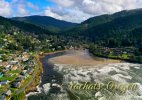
(79, 67)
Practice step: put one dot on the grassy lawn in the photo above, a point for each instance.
(26, 81)
(14, 71)
(1, 67)
(8, 78)
(125, 56)
(4, 88)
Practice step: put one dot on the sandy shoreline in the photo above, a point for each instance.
(46, 54)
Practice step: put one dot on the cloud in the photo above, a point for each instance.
(5, 8)
(29, 4)
(23, 7)
(90, 8)
(64, 3)
(69, 10)
(97, 7)
(21, 10)
(68, 15)
(48, 12)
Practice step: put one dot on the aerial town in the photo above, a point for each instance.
(17, 70)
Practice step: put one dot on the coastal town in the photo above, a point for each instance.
(16, 71)
(18, 68)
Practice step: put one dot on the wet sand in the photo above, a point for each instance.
(81, 57)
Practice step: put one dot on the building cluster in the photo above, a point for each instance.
(15, 69)
(116, 52)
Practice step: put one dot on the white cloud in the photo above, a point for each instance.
(97, 7)
(89, 8)
(48, 12)
(70, 15)
(64, 3)
(21, 10)
(69, 10)
(5, 8)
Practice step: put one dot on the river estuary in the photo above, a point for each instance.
(77, 75)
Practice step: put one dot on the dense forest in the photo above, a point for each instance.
(52, 24)
(119, 29)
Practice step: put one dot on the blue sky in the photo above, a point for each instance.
(69, 10)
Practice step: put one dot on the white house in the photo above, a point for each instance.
(13, 62)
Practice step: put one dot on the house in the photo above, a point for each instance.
(25, 59)
(4, 64)
(30, 71)
(19, 79)
(14, 68)
(8, 93)
(8, 66)
(25, 75)
(16, 84)
(13, 62)
(4, 82)
(23, 72)
(18, 58)
(2, 97)
(1, 74)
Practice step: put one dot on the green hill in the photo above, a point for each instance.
(8, 24)
(49, 23)
(120, 28)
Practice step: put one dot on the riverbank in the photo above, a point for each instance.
(33, 88)
(47, 53)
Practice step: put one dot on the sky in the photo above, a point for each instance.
(68, 10)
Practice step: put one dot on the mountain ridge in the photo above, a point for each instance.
(105, 24)
(47, 22)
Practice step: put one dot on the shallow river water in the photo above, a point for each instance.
(64, 78)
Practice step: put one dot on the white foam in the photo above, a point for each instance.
(120, 78)
(139, 88)
(46, 88)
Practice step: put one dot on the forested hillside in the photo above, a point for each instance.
(49, 23)
(21, 36)
(119, 29)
